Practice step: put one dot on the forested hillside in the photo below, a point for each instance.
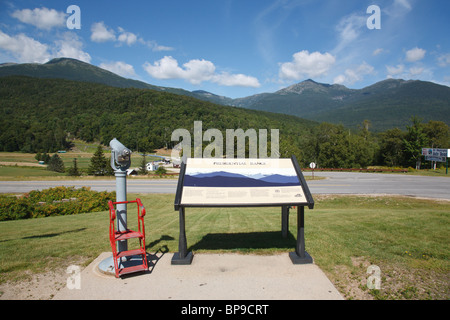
(387, 104)
(43, 115)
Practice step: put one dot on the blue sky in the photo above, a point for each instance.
(237, 48)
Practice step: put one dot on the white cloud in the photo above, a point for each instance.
(377, 51)
(158, 48)
(395, 71)
(415, 54)
(41, 18)
(415, 71)
(120, 68)
(340, 79)
(349, 28)
(313, 64)
(154, 46)
(24, 48)
(101, 33)
(403, 3)
(397, 8)
(126, 37)
(27, 50)
(196, 71)
(70, 46)
(240, 80)
(351, 76)
(444, 60)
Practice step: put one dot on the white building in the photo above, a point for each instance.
(152, 166)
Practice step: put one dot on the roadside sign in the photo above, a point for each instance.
(438, 159)
(434, 152)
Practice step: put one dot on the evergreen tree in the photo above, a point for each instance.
(143, 167)
(45, 157)
(55, 164)
(99, 164)
(74, 170)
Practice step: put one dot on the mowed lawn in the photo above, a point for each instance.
(406, 238)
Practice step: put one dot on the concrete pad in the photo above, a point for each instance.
(209, 277)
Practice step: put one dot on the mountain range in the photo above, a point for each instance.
(386, 104)
(228, 179)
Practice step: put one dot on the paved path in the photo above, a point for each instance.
(335, 183)
(209, 277)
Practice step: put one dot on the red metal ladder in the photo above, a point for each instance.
(115, 236)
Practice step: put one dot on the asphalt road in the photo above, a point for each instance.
(335, 183)
(378, 183)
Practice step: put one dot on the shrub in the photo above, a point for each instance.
(12, 208)
(49, 202)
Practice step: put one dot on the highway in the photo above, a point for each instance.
(334, 183)
(378, 183)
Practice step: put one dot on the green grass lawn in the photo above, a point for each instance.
(17, 172)
(24, 171)
(406, 238)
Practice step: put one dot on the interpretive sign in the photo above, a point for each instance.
(266, 182)
(434, 154)
(241, 182)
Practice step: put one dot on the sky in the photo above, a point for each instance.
(236, 48)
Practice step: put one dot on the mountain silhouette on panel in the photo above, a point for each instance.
(228, 179)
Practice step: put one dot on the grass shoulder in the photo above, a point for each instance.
(406, 238)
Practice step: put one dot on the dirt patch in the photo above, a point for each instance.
(22, 164)
(163, 152)
(38, 287)
(352, 282)
(397, 282)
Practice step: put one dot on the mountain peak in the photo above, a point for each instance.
(61, 60)
(310, 85)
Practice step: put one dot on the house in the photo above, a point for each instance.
(152, 166)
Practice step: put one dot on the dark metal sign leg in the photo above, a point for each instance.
(300, 256)
(182, 256)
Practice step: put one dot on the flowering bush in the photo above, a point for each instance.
(54, 202)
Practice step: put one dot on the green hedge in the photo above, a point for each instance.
(54, 202)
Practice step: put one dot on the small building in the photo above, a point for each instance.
(132, 172)
(152, 166)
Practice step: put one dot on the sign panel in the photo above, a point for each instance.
(438, 159)
(242, 182)
(435, 152)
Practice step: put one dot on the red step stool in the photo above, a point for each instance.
(115, 236)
